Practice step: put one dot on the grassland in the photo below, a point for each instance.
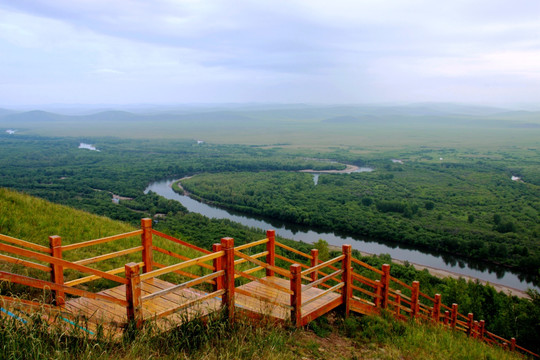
(323, 128)
(331, 337)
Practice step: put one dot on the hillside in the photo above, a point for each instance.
(34, 220)
(329, 337)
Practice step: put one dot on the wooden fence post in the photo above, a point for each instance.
(446, 317)
(271, 248)
(436, 308)
(57, 273)
(385, 285)
(398, 305)
(218, 266)
(346, 278)
(414, 298)
(378, 294)
(470, 324)
(513, 344)
(296, 296)
(146, 238)
(453, 320)
(482, 329)
(314, 262)
(133, 294)
(227, 244)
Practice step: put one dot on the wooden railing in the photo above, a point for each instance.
(342, 281)
(50, 260)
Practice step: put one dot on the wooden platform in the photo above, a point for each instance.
(113, 317)
(266, 308)
(102, 312)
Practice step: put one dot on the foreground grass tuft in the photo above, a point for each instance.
(214, 338)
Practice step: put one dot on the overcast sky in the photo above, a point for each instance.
(313, 51)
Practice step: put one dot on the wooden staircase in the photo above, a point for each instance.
(261, 279)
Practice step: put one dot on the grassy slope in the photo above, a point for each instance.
(34, 220)
(374, 338)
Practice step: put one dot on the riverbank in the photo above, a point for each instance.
(441, 274)
(336, 241)
(349, 169)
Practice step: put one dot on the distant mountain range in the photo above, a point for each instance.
(240, 115)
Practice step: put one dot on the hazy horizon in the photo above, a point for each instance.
(73, 109)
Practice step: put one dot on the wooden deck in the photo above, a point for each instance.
(274, 298)
(95, 311)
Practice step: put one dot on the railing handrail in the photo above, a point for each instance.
(178, 256)
(278, 270)
(171, 268)
(95, 277)
(27, 244)
(184, 285)
(323, 265)
(367, 266)
(25, 263)
(43, 284)
(57, 261)
(178, 241)
(254, 256)
(251, 244)
(396, 280)
(108, 256)
(100, 240)
(297, 252)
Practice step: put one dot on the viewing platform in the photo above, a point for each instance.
(175, 282)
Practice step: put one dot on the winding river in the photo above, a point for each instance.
(491, 274)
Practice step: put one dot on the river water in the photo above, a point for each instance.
(492, 274)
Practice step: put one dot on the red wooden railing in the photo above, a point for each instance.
(367, 290)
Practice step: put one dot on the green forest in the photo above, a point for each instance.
(470, 209)
(466, 204)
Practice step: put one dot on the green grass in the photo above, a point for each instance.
(392, 339)
(33, 219)
(215, 338)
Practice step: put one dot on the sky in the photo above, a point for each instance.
(269, 51)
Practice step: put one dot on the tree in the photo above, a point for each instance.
(324, 251)
(367, 201)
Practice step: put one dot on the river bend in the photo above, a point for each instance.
(493, 275)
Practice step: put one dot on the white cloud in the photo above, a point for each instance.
(344, 51)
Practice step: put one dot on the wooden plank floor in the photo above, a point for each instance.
(99, 311)
(88, 313)
(267, 309)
